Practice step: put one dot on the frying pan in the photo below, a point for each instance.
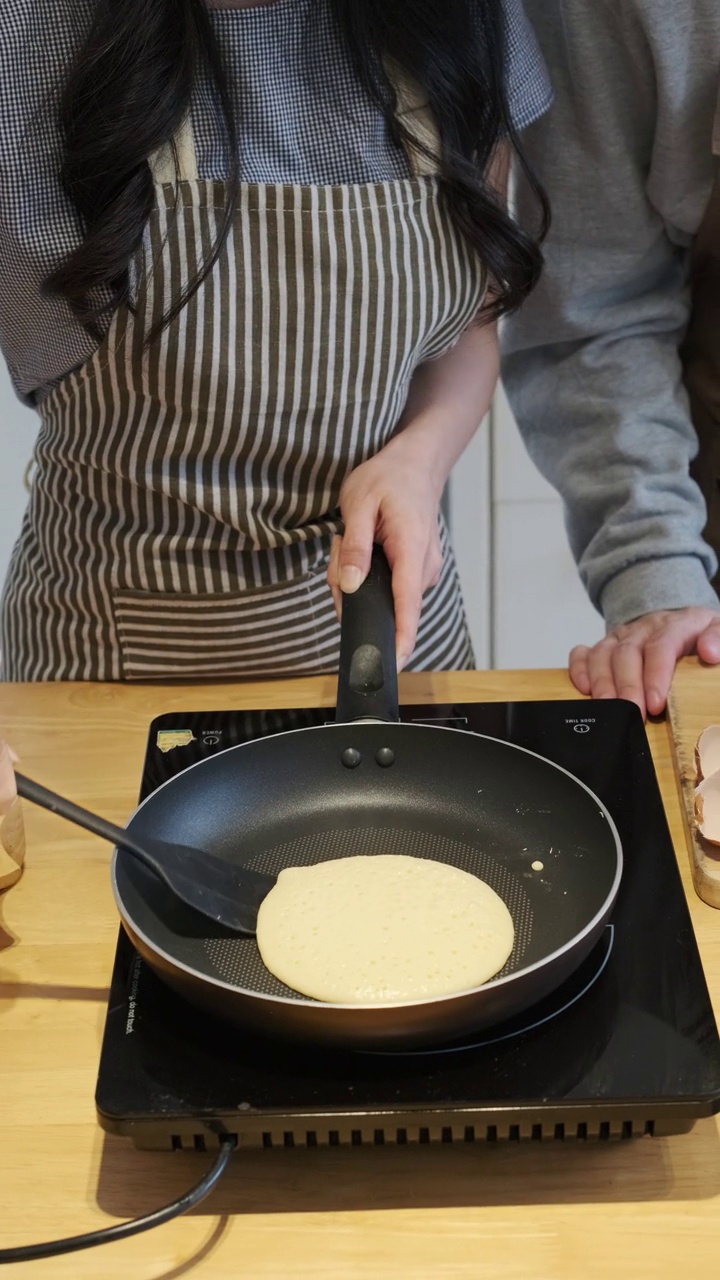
(369, 784)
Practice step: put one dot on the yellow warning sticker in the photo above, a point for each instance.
(168, 739)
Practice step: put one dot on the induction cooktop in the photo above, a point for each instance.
(627, 1047)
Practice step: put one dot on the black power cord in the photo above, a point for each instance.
(50, 1249)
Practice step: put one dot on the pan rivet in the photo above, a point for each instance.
(385, 757)
(351, 758)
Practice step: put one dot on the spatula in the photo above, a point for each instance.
(227, 894)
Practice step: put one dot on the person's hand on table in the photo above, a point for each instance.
(392, 499)
(637, 659)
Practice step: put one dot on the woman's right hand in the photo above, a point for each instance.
(392, 499)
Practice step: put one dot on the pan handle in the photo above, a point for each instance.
(367, 675)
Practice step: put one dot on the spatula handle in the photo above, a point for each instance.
(46, 799)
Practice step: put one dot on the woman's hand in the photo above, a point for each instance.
(392, 499)
(637, 660)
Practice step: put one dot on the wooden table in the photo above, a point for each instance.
(648, 1209)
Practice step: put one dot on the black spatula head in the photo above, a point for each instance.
(227, 894)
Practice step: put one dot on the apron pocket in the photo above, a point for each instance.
(278, 630)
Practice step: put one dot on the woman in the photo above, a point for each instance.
(242, 253)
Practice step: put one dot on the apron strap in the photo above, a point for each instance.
(176, 160)
(415, 115)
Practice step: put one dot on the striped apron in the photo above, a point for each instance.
(185, 495)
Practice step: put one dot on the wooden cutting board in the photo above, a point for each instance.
(694, 703)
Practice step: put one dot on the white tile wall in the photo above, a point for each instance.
(525, 602)
(470, 513)
(539, 607)
(515, 477)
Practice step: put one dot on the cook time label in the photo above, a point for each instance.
(581, 724)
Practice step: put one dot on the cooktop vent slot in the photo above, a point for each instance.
(388, 1135)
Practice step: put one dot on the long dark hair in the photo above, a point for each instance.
(130, 88)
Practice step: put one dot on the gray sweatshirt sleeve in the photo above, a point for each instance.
(591, 363)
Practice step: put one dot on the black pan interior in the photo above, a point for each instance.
(478, 803)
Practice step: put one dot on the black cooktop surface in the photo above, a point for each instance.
(628, 1045)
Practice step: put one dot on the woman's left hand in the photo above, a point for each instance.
(636, 660)
(393, 499)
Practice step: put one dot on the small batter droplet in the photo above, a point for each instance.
(537, 866)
